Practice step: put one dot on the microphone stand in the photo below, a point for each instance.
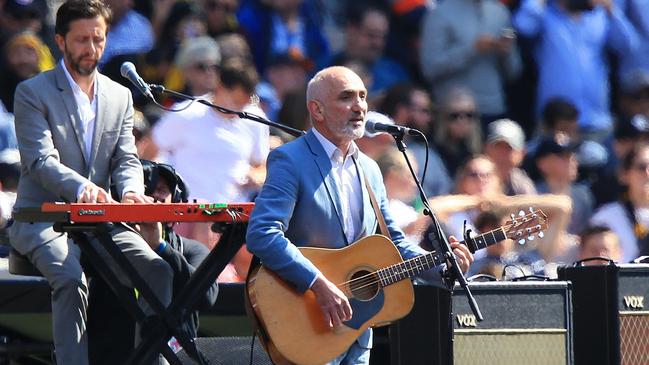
(454, 272)
(240, 114)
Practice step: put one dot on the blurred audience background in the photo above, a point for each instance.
(541, 103)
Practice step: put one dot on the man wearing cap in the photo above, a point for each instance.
(505, 146)
(557, 163)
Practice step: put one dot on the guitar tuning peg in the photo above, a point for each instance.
(541, 234)
(513, 217)
(530, 238)
(521, 242)
(521, 214)
(531, 210)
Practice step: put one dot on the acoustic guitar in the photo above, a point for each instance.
(372, 275)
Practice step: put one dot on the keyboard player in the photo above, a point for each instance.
(74, 130)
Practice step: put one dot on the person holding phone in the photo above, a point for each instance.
(471, 44)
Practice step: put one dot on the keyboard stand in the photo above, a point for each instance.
(167, 322)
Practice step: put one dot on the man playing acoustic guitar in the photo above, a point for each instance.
(317, 194)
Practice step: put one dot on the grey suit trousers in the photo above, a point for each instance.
(58, 261)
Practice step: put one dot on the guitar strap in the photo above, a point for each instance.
(377, 209)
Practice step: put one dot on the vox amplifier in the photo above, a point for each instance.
(524, 323)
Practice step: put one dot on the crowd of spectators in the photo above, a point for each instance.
(541, 103)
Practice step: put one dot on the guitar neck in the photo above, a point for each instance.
(415, 266)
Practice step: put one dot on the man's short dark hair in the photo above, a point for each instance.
(557, 109)
(591, 231)
(73, 10)
(237, 72)
(487, 221)
(358, 10)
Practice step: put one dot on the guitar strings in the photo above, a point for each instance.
(368, 280)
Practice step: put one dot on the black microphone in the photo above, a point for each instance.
(128, 71)
(373, 126)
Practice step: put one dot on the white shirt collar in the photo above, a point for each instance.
(330, 148)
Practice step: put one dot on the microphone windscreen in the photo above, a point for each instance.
(372, 117)
(369, 128)
(126, 68)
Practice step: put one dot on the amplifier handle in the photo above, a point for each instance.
(481, 278)
(597, 258)
(641, 260)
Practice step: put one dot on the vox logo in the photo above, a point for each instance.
(466, 320)
(634, 301)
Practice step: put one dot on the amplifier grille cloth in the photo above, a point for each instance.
(634, 338)
(515, 349)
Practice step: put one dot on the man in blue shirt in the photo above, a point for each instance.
(570, 41)
(637, 12)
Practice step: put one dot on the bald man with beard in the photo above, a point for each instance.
(315, 196)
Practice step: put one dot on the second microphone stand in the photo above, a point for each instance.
(444, 246)
(240, 114)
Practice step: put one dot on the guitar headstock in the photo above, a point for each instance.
(525, 226)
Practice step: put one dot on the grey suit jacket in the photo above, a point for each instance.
(50, 140)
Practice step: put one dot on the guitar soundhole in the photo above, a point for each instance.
(364, 285)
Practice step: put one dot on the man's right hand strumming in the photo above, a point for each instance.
(333, 302)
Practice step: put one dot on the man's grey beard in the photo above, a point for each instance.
(353, 133)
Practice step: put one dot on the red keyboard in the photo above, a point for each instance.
(154, 212)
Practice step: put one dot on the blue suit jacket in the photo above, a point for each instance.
(299, 206)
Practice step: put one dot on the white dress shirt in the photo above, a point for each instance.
(349, 185)
(86, 110)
